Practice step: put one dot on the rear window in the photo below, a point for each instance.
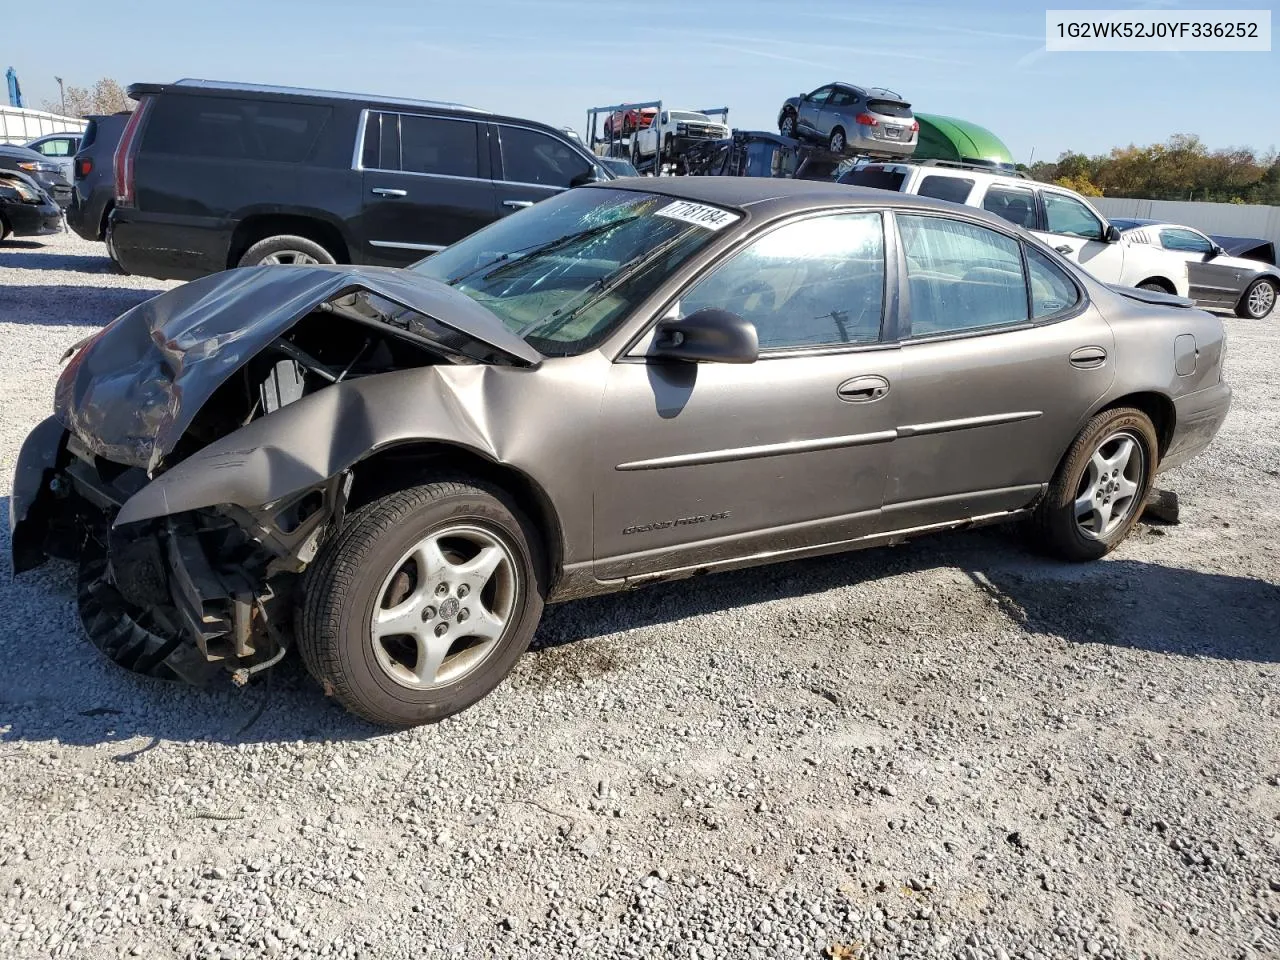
(234, 129)
(954, 189)
(889, 108)
(877, 177)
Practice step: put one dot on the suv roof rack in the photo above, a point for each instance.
(949, 164)
(309, 92)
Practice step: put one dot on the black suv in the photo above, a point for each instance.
(214, 175)
(95, 188)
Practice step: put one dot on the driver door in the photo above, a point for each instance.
(699, 463)
(1211, 280)
(1078, 234)
(809, 116)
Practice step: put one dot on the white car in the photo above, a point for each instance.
(1062, 218)
(1247, 286)
(674, 130)
(60, 148)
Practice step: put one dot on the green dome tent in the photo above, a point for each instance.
(947, 138)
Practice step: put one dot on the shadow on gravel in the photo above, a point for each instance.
(55, 685)
(38, 260)
(1120, 602)
(68, 305)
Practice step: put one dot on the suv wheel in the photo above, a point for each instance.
(285, 250)
(788, 125)
(838, 142)
(423, 602)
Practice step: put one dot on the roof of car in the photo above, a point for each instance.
(782, 192)
(195, 86)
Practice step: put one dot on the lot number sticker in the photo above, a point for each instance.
(699, 214)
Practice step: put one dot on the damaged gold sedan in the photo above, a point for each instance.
(393, 470)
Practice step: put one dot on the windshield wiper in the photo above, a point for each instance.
(509, 260)
(602, 288)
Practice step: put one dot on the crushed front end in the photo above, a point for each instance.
(201, 451)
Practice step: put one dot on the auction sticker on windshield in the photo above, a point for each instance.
(699, 214)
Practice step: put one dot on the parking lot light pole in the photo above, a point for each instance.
(62, 95)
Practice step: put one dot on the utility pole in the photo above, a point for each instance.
(62, 95)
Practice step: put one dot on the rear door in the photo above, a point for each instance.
(997, 373)
(530, 165)
(426, 184)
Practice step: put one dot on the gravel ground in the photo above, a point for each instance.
(948, 749)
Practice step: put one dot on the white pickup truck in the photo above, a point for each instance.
(673, 130)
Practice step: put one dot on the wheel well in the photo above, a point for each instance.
(260, 226)
(1158, 408)
(106, 215)
(1162, 283)
(408, 464)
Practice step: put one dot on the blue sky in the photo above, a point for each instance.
(552, 59)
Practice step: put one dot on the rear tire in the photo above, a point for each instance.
(285, 250)
(1088, 509)
(1259, 300)
(462, 631)
(1154, 286)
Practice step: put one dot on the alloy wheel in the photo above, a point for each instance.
(288, 258)
(444, 606)
(788, 127)
(1262, 298)
(1108, 491)
(837, 142)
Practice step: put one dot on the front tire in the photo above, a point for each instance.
(285, 250)
(1155, 287)
(422, 604)
(787, 127)
(837, 144)
(1098, 493)
(1258, 300)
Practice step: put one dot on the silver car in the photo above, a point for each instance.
(849, 119)
(1216, 278)
(393, 470)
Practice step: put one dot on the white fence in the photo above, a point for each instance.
(1224, 219)
(20, 125)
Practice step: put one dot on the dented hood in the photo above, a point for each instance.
(131, 391)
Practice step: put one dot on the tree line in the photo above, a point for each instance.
(1181, 168)
(104, 97)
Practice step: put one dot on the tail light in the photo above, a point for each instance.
(84, 167)
(867, 120)
(126, 151)
(915, 126)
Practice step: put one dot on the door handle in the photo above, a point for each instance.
(517, 204)
(863, 389)
(1086, 358)
(1065, 250)
(389, 192)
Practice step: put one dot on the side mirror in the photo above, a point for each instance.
(1216, 251)
(709, 334)
(1112, 235)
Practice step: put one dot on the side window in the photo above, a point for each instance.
(1069, 216)
(842, 98)
(1015, 205)
(1051, 290)
(954, 189)
(532, 157)
(382, 142)
(230, 128)
(1184, 241)
(56, 148)
(961, 276)
(810, 283)
(436, 145)
(820, 95)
